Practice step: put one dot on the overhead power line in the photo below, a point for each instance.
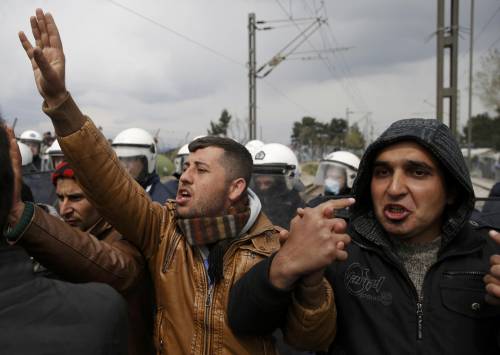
(177, 33)
(487, 23)
(205, 47)
(344, 78)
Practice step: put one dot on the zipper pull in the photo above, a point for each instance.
(209, 296)
(420, 320)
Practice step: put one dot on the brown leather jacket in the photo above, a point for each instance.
(99, 254)
(191, 315)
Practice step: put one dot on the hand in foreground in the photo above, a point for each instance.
(47, 57)
(315, 240)
(15, 156)
(492, 279)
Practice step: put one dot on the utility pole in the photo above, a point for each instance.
(447, 40)
(252, 77)
(255, 73)
(471, 50)
(347, 114)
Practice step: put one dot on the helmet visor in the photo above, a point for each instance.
(329, 171)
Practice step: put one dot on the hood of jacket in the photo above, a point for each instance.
(255, 207)
(439, 141)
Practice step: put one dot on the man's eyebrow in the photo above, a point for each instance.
(378, 163)
(419, 164)
(202, 164)
(76, 194)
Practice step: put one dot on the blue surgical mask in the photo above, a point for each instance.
(332, 186)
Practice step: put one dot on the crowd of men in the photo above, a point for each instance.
(229, 257)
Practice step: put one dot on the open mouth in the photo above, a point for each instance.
(396, 212)
(183, 196)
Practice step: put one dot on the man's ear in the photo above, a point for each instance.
(236, 189)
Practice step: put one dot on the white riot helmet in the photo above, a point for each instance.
(33, 140)
(278, 160)
(55, 155)
(30, 136)
(181, 157)
(337, 171)
(254, 147)
(136, 142)
(26, 154)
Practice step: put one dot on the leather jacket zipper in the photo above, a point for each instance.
(210, 287)
(211, 292)
(208, 303)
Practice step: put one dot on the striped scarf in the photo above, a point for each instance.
(217, 233)
(208, 230)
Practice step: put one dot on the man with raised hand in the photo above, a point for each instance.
(197, 246)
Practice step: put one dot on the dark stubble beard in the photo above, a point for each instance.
(208, 207)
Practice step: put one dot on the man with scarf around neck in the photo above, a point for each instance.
(197, 246)
(420, 276)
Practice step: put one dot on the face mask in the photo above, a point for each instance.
(332, 186)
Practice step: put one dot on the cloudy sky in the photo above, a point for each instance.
(173, 66)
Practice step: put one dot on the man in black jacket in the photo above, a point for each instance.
(417, 279)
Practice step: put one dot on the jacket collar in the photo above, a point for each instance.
(367, 228)
(262, 225)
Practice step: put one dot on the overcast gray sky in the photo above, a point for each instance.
(174, 65)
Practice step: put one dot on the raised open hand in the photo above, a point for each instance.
(47, 57)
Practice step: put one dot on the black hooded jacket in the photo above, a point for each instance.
(279, 203)
(379, 311)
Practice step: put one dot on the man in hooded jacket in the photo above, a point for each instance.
(418, 278)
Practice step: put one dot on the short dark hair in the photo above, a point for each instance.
(6, 176)
(237, 160)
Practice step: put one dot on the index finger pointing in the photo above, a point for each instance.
(329, 207)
